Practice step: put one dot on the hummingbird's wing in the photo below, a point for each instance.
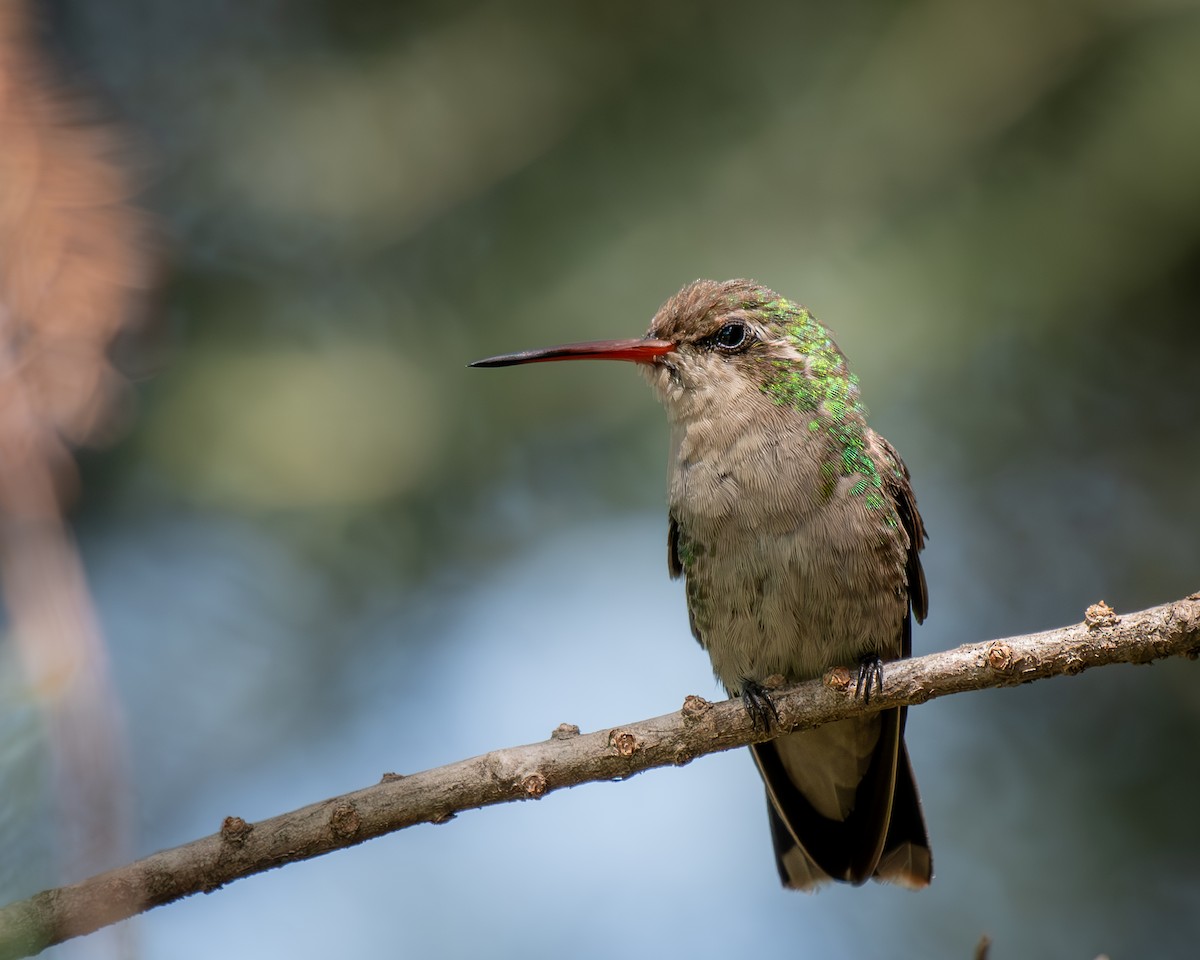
(899, 486)
(906, 855)
(674, 564)
(675, 568)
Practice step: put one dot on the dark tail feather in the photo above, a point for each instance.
(906, 858)
(797, 869)
(883, 837)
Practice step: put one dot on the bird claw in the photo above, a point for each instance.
(870, 674)
(759, 705)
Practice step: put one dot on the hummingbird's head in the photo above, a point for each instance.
(741, 346)
(728, 349)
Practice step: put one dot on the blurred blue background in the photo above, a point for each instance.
(324, 549)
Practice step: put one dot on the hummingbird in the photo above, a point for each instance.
(796, 529)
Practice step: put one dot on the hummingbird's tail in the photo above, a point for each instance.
(844, 804)
(906, 858)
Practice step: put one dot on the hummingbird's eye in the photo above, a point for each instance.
(731, 336)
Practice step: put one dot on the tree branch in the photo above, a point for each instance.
(569, 758)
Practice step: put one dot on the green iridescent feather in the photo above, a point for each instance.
(824, 390)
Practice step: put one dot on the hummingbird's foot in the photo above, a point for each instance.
(759, 705)
(870, 674)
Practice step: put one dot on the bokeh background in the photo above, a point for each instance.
(321, 548)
